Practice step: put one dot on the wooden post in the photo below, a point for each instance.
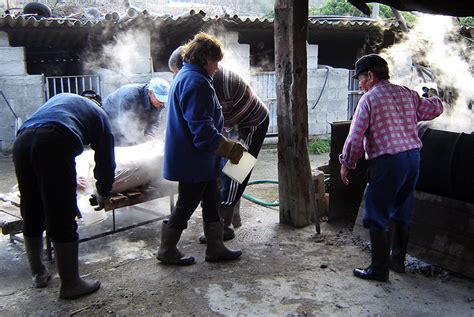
(296, 189)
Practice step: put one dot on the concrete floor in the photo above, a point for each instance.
(283, 271)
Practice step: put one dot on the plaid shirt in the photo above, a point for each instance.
(385, 122)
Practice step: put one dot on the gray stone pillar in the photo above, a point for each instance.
(21, 94)
(236, 55)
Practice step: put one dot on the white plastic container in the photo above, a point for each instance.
(240, 171)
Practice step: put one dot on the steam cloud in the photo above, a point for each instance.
(434, 41)
(121, 56)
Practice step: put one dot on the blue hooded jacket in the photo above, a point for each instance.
(193, 130)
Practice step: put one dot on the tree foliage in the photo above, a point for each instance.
(466, 21)
(344, 8)
(336, 7)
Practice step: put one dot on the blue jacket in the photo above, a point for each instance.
(85, 123)
(193, 129)
(129, 109)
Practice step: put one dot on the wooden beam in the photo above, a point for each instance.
(296, 189)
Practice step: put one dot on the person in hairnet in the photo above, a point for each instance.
(44, 156)
(135, 111)
(245, 118)
(384, 126)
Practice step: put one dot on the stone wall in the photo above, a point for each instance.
(236, 55)
(24, 93)
(327, 98)
(327, 94)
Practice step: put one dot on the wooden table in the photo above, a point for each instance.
(11, 221)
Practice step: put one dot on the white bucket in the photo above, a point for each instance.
(89, 215)
(240, 171)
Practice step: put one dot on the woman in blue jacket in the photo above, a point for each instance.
(194, 146)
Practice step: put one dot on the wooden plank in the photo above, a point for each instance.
(296, 190)
(138, 196)
(11, 221)
(10, 217)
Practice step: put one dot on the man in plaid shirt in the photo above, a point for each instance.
(384, 126)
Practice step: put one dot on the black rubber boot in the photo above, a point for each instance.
(380, 245)
(399, 247)
(216, 251)
(236, 220)
(226, 213)
(168, 253)
(34, 252)
(67, 261)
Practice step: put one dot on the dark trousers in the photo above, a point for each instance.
(189, 197)
(46, 173)
(252, 137)
(389, 193)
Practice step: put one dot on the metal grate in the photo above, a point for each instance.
(263, 83)
(72, 84)
(354, 95)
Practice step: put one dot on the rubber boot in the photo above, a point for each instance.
(399, 247)
(378, 269)
(34, 252)
(168, 253)
(67, 261)
(216, 251)
(226, 213)
(236, 221)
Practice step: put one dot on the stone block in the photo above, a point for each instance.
(142, 66)
(7, 133)
(6, 145)
(341, 115)
(343, 93)
(320, 129)
(237, 58)
(331, 117)
(12, 54)
(321, 117)
(312, 56)
(12, 68)
(24, 94)
(228, 38)
(4, 42)
(321, 106)
(312, 127)
(168, 76)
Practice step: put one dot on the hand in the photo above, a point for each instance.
(432, 93)
(236, 153)
(81, 183)
(230, 150)
(149, 138)
(98, 200)
(344, 172)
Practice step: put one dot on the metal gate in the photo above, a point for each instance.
(354, 95)
(263, 83)
(72, 84)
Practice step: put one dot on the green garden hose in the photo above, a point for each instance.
(272, 181)
(258, 201)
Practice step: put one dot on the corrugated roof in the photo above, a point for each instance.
(192, 17)
(32, 32)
